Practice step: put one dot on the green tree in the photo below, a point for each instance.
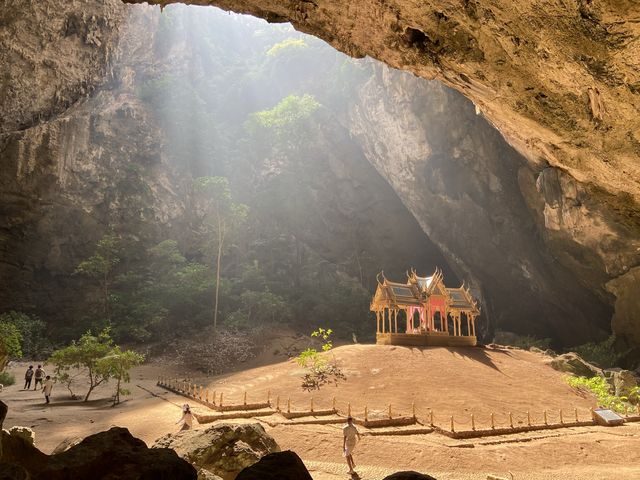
(85, 355)
(100, 266)
(221, 217)
(31, 329)
(117, 365)
(11, 339)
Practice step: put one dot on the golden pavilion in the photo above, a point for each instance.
(424, 312)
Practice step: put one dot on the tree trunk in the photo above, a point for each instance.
(218, 262)
(91, 387)
(116, 398)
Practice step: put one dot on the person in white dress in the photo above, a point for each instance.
(187, 418)
(47, 387)
(350, 437)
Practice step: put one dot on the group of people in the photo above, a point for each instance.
(41, 378)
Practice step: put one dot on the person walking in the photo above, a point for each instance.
(187, 418)
(350, 436)
(28, 375)
(47, 387)
(39, 376)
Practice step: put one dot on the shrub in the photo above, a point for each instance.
(320, 371)
(601, 354)
(11, 339)
(7, 379)
(521, 341)
(601, 389)
(32, 331)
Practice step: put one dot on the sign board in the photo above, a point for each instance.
(603, 416)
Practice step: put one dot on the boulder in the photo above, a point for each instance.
(11, 471)
(204, 474)
(572, 363)
(623, 382)
(410, 475)
(115, 454)
(276, 466)
(222, 449)
(25, 433)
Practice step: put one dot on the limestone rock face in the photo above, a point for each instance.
(222, 449)
(472, 194)
(562, 85)
(116, 454)
(623, 382)
(42, 82)
(276, 466)
(572, 363)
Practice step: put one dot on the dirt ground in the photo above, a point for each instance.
(443, 379)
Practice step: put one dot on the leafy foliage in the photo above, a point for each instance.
(11, 339)
(602, 354)
(287, 44)
(7, 379)
(116, 365)
(320, 371)
(288, 111)
(601, 389)
(85, 354)
(32, 331)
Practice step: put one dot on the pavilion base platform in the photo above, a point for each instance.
(431, 339)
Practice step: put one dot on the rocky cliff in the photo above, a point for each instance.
(546, 230)
(560, 81)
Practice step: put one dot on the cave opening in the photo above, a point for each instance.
(347, 167)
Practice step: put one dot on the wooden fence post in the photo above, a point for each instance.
(221, 393)
(214, 397)
(511, 419)
(269, 397)
(244, 399)
(575, 410)
(390, 417)
(333, 403)
(289, 405)
(544, 415)
(431, 417)
(413, 410)
(473, 423)
(366, 414)
(561, 419)
(493, 422)
(452, 426)
(349, 409)
(528, 419)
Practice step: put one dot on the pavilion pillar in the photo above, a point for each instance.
(377, 321)
(468, 324)
(382, 319)
(396, 319)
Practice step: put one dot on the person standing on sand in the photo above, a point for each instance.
(187, 418)
(28, 375)
(40, 374)
(350, 436)
(47, 387)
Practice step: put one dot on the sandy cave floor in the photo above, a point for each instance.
(572, 453)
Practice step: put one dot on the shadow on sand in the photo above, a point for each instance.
(476, 354)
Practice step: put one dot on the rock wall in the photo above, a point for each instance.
(550, 241)
(469, 191)
(560, 81)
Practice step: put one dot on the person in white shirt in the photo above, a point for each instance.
(350, 436)
(187, 418)
(47, 387)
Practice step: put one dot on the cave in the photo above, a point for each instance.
(418, 175)
(222, 196)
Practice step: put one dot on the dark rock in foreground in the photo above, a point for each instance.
(111, 455)
(410, 475)
(276, 466)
